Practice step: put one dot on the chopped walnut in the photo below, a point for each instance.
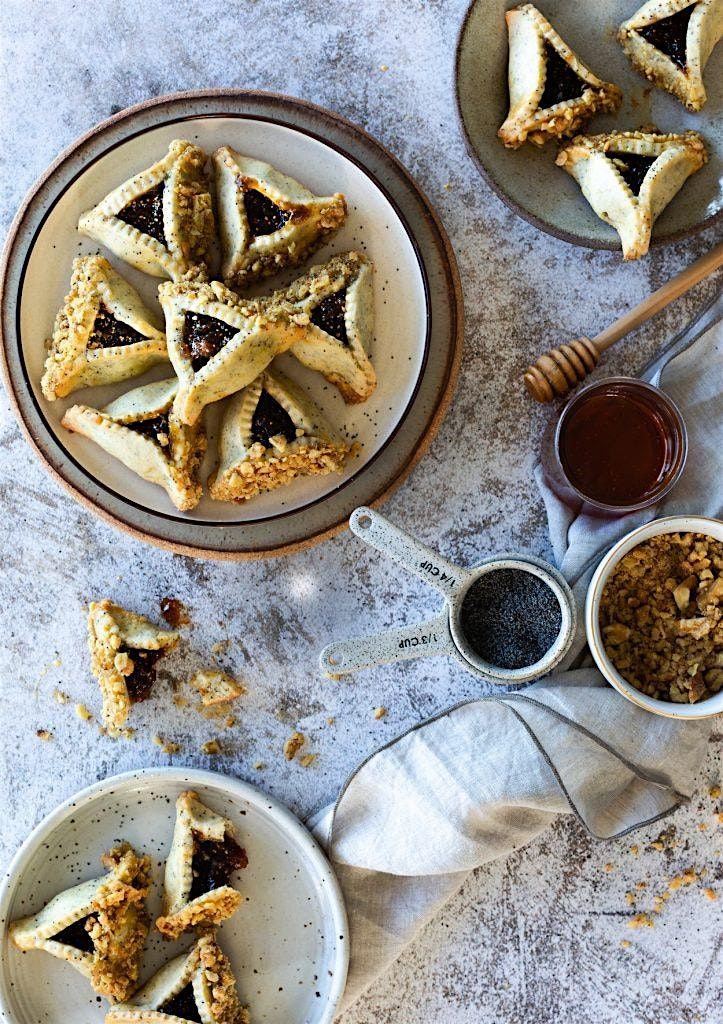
(661, 617)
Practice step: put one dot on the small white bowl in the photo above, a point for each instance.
(669, 524)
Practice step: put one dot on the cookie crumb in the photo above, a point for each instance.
(259, 766)
(307, 760)
(221, 647)
(714, 792)
(57, 663)
(625, 943)
(331, 721)
(44, 734)
(60, 697)
(167, 746)
(293, 745)
(641, 921)
(216, 687)
(609, 867)
(211, 747)
(710, 894)
(384, 67)
(380, 712)
(83, 712)
(635, 850)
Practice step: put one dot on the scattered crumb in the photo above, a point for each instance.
(641, 885)
(640, 921)
(447, 186)
(293, 745)
(719, 817)
(609, 867)
(44, 734)
(307, 760)
(60, 697)
(659, 902)
(630, 898)
(710, 894)
(331, 721)
(625, 943)
(229, 721)
(180, 702)
(167, 746)
(216, 687)
(679, 881)
(259, 766)
(211, 747)
(384, 67)
(635, 850)
(83, 712)
(380, 712)
(221, 647)
(702, 827)
(714, 792)
(57, 663)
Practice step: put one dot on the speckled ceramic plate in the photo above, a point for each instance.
(527, 179)
(288, 942)
(417, 298)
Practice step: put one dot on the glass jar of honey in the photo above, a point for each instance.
(620, 445)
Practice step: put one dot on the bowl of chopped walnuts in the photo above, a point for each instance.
(654, 616)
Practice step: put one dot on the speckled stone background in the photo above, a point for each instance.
(538, 937)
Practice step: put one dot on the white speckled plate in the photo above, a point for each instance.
(287, 943)
(527, 179)
(417, 323)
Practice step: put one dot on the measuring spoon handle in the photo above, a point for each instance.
(414, 556)
(360, 652)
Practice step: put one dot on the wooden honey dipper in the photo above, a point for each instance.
(563, 368)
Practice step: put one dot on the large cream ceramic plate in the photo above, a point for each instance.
(527, 179)
(287, 943)
(417, 326)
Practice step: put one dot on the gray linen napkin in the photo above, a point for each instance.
(487, 776)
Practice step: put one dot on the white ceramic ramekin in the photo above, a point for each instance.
(669, 524)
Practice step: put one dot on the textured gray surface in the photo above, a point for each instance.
(534, 938)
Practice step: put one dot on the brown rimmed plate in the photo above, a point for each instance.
(417, 294)
(527, 179)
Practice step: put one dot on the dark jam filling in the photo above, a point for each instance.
(329, 315)
(146, 213)
(633, 168)
(156, 429)
(561, 82)
(140, 682)
(203, 337)
(510, 618)
(270, 419)
(670, 35)
(214, 863)
(108, 332)
(76, 936)
(263, 215)
(183, 1005)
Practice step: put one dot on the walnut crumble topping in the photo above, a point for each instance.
(662, 617)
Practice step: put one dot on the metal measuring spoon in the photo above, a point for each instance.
(443, 634)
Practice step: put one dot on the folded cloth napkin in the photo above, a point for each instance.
(487, 776)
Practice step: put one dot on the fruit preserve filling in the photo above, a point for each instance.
(146, 213)
(633, 168)
(140, 682)
(156, 429)
(670, 35)
(561, 82)
(263, 215)
(183, 1005)
(330, 316)
(269, 420)
(204, 336)
(76, 936)
(214, 862)
(110, 333)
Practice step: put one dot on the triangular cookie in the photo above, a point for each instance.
(161, 220)
(267, 220)
(670, 41)
(124, 650)
(552, 93)
(197, 987)
(335, 302)
(630, 177)
(142, 431)
(218, 345)
(204, 854)
(103, 332)
(99, 926)
(271, 433)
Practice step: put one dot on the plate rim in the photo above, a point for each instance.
(232, 786)
(454, 291)
(538, 222)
